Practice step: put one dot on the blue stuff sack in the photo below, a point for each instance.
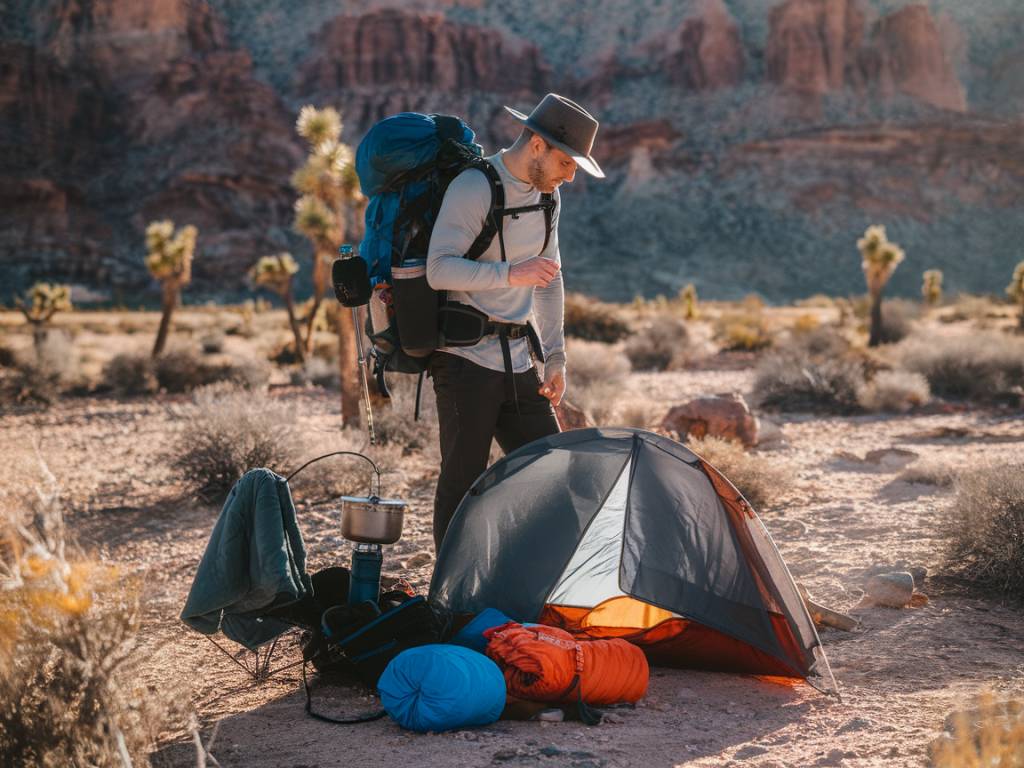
(441, 688)
(472, 635)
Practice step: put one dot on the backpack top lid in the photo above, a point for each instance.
(402, 142)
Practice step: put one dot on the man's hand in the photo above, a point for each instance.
(554, 386)
(535, 272)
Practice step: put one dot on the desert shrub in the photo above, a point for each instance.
(989, 735)
(180, 370)
(969, 308)
(898, 317)
(394, 423)
(745, 328)
(8, 358)
(586, 318)
(794, 380)
(986, 527)
(69, 690)
(662, 345)
(318, 372)
(130, 373)
(592, 361)
(982, 366)
(247, 372)
(934, 473)
(894, 392)
(41, 373)
(227, 431)
(821, 341)
(598, 400)
(212, 342)
(763, 481)
(636, 413)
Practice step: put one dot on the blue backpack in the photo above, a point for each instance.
(405, 163)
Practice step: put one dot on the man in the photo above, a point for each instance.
(491, 390)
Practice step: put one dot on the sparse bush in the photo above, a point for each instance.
(894, 391)
(982, 366)
(598, 400)
(130, 373)
(319, 373)
(69, 690)
(991, 735)
(180, 370)
(688, 298)
(394, 423)
(212, 343)
(935, 473)
(744, 329)
(763, 481)
(1015, 290)
(820, 341)
(228, 431)
(592, 361)
(986, 527)
(586, 318)
(793, 380)
(42, 373)
(661, 346)
(636, 413)
(976, 309)
(898, 316)
(931, 286)
(250, 373)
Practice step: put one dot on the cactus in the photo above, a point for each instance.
(169, 259)
(1015, 290)
(275, 272)
(331, 206)
(44, 301)
(879, 259)
(688, 296)
(931, 286)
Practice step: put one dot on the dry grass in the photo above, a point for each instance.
(228, 431)
(986, 527)
(590, 362)
(41, 374)
(744, 327)
(894, 392)
(662, 345)
(394, 423)
(183, 369)
(68, 660)
(937, 473)
(589, 319)
(990, 735)
(762, 480)
(982, 366)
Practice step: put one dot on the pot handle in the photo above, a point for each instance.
(341, 453)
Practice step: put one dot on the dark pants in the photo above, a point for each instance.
(473, 409)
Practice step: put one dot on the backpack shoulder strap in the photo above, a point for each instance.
(547, 199)
(491, 222)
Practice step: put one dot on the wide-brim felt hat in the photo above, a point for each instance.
(566, 125)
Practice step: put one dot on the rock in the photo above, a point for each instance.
(893, 590)
(726, 415)
(419, 560)
(918, 572)
(551, 716)
(749, 751)
(706, 52)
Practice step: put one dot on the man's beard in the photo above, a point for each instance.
(537, 177)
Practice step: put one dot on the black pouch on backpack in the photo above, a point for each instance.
(365, 647)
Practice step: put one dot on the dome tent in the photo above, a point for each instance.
(625, 533)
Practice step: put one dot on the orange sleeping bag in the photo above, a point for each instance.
(548, 664)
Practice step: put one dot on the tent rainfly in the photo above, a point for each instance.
(625, 533)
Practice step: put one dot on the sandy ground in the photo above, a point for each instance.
(900, 674)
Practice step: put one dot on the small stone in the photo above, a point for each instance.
(505, 754)
(749, 751)
(419, 560)
(854, 724)
(551, 716)
(611, 717)
(550, 751)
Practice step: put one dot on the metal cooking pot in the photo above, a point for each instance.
(371, 519)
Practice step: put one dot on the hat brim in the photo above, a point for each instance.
(585, 162)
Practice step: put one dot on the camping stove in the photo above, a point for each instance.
(369, 522)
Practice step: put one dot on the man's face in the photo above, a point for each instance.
(549, 166)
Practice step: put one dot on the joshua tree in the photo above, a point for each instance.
(879, 260)
(331, 205)
(689, 298)
(931, 286)
(45, 300)
(1015, 290)
(169, 260)
(275, 272)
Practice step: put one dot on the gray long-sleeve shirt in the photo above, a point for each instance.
(484, 283)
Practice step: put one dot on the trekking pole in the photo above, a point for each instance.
(352, 289)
